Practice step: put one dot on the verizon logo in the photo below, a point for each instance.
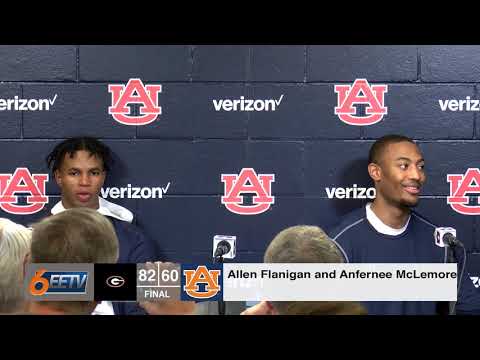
(17, 104)
(353, 192)
(243, 104)
(134, 192)
(466, 104)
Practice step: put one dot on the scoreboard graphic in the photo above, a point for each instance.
(158, 281)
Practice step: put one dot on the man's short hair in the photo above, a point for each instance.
(14, 245)
(379, 146)
(78, 235)
(302, 244)
(308, 244)
(71, 146)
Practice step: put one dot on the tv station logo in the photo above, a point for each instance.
(158, 281)
(202, 282)
(248, 182)
(361, 92)
(59, 282)
(135, 92)
(23, 182)
(460, 186)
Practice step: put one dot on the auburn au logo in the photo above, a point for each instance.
(134, 93)
(248, 182)
(22, 181)
(361, 92)
(460, 185)
(194, 278)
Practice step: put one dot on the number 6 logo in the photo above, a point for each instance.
(38, 279)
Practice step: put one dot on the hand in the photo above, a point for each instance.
(169, 307)
(263, 308)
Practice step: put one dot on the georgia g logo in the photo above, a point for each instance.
(22, 181)
(201, 275)
(460, 185)
(235, 185)
(373, 95)
(122, 95)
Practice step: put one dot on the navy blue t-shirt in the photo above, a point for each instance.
(360, 242)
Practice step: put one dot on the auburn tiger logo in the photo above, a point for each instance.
(134, 93)
(460, 186)
(201, 275)
(248, 182)
(361, 92)
(22, 181)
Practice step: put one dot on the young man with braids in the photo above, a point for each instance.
(80, 166)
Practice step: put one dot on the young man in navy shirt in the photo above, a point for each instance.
(389, 231)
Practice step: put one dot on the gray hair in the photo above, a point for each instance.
(15, 241)
(308, 244)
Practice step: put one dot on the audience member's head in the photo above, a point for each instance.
(14, 245)
(78, 235)
(306, 244)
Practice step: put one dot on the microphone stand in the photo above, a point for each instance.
(221, 303)
(451, 254)
(451, 258)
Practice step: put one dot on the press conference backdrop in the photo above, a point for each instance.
(298, 120)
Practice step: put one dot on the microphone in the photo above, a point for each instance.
(446, 236)
(223, 247)
(450, 240)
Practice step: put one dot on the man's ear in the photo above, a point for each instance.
(375, 172)
(58, 177)
(104, 177)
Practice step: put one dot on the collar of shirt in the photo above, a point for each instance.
(105, 208)
(382, 228)
(104, 308)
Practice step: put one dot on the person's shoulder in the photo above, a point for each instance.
(137, 246)
(350, 220)
(422, 220)
(127, 231)
(125, 226)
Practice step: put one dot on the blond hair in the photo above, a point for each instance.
(15, 242)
